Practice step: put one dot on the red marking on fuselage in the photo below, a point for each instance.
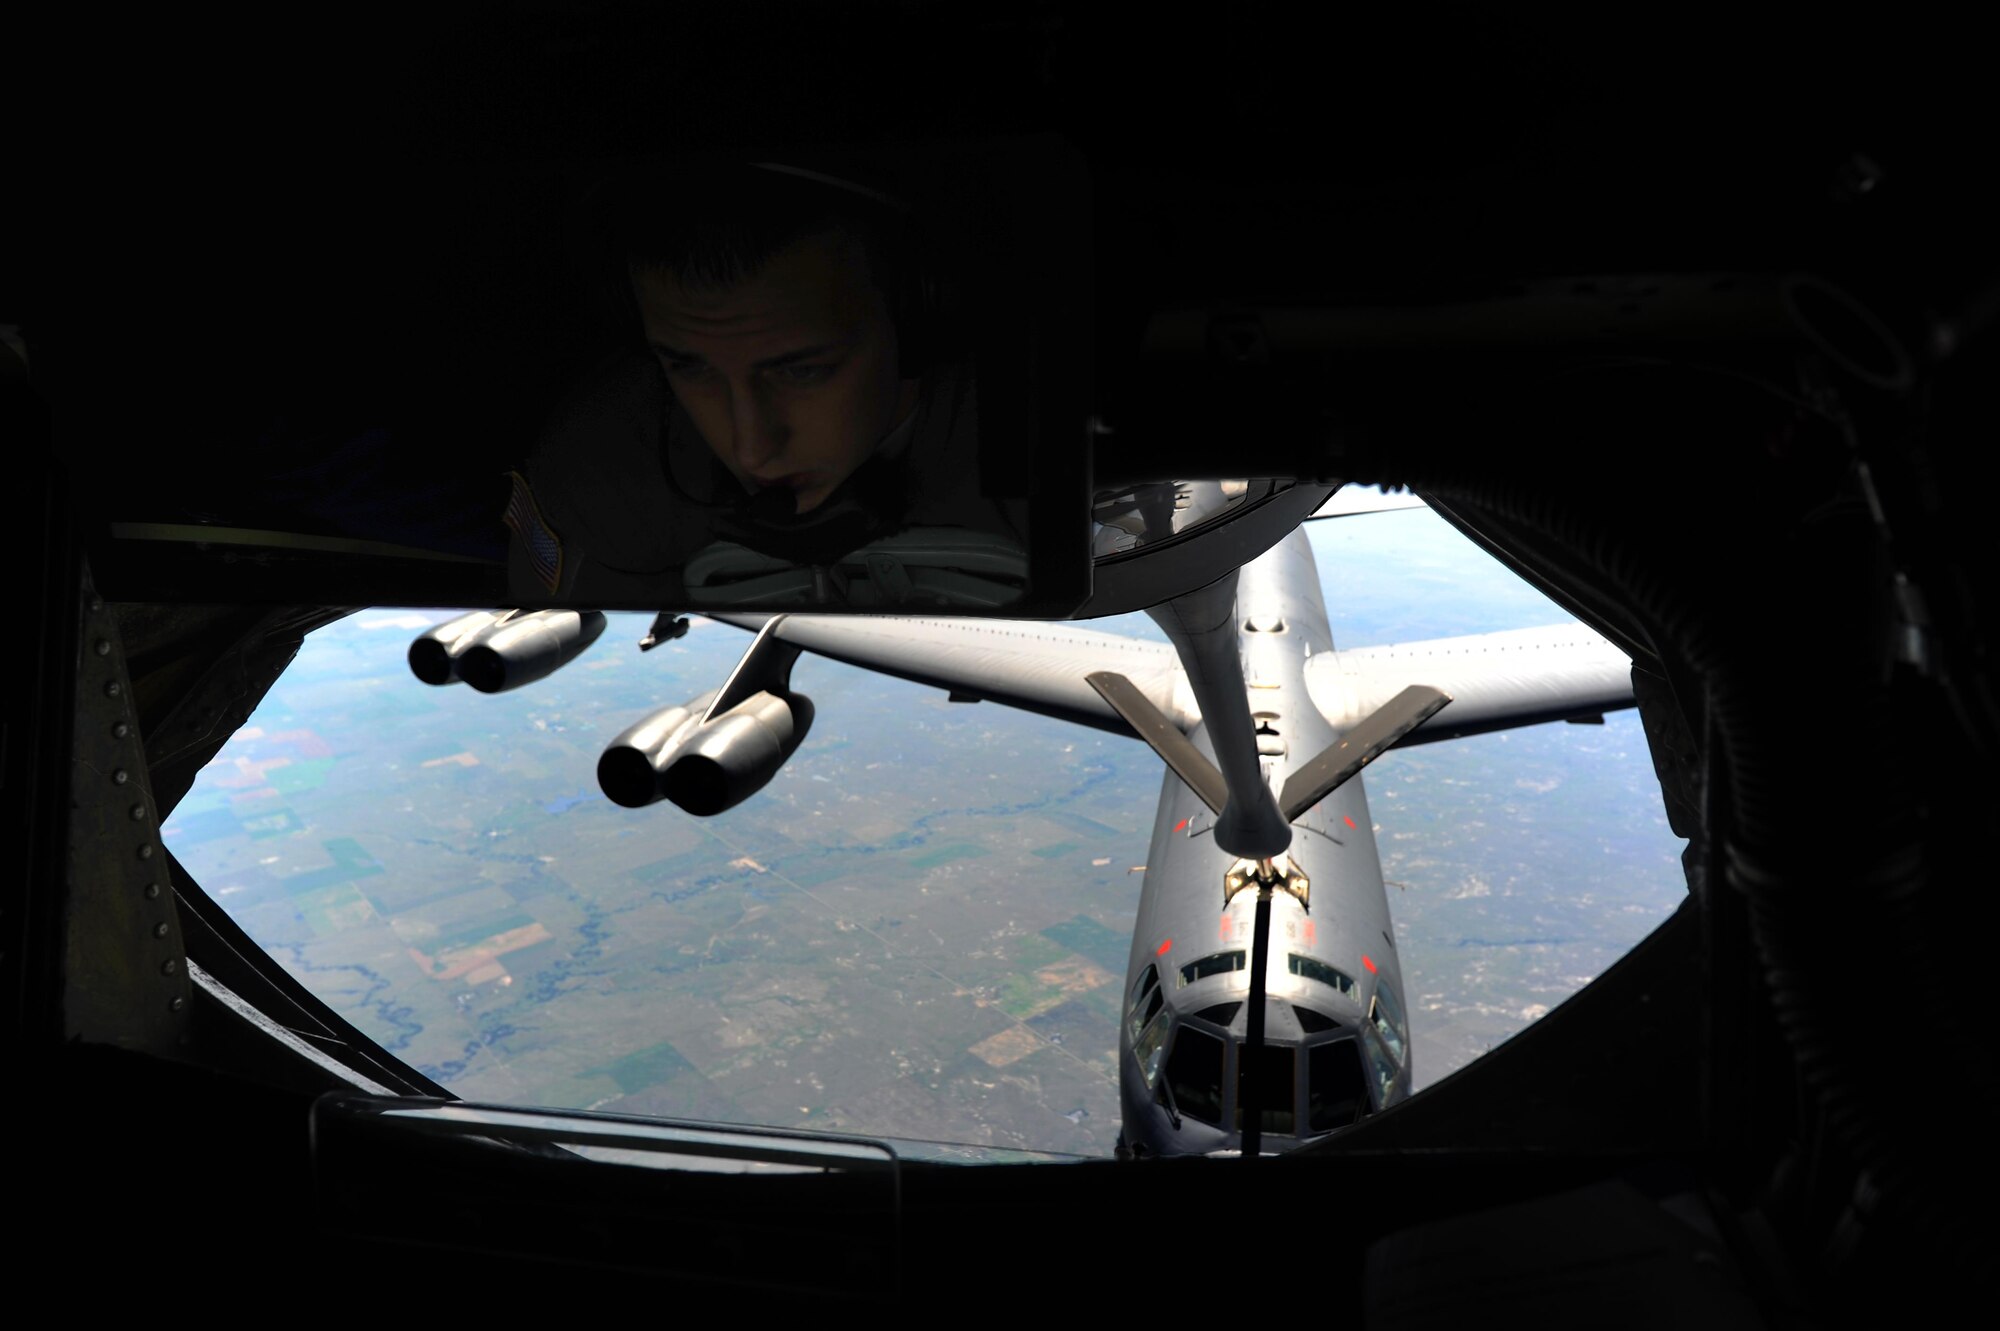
(1345, 819)
(1224, 934)
(1182, 825)
(1162, 950)
(1369, 964)
(1312, 931)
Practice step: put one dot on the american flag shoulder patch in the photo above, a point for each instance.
(543, 545)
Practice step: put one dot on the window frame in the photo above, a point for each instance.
(1383, 1091)
(1224, 1093)
(1148, 985)
(1294, 960)
(1385, 1018)
(1184, 979)
(1164, 1021)
(1366, 1106)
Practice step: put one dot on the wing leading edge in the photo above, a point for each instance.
(1037, 667)
(1496, 680)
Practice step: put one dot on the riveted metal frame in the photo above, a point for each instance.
(125, 978)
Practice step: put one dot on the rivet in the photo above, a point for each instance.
(152, 891)
(160, 929)
(146, 852)
(170, 967)
(120, 730)
(138, 813)
(120, 777)
(104, 646)
(112, 690)
(177, 1004)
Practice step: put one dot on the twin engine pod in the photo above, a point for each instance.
(494, 651)
(705, 768)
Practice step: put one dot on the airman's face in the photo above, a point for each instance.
(790, 376)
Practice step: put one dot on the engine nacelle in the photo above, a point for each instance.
(434, 657)
(628, 772)
(526, 648)
(705, 769)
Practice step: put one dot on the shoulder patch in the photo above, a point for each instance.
(543, 545)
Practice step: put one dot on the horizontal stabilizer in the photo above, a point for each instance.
(1166, 739)
(1362, 745)
(1497, 681)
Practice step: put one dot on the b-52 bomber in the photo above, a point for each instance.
(1264, 1003)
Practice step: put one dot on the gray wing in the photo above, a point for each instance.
(1496, 680)
(1037, 667)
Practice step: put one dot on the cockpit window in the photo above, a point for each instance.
(1335, 1090)
(1147, 1008)
(1312, 968)
(1150, 1045)
(1194, 1075)
(1146, 1000)
(1219, 963)
(1380, 1064)
(1275, 1069)
(1386, 1015)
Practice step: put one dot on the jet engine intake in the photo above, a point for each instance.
(523, 648)
(705, 768)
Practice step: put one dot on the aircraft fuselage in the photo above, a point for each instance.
(1336, 1037)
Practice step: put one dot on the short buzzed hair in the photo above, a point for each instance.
(716, 228)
